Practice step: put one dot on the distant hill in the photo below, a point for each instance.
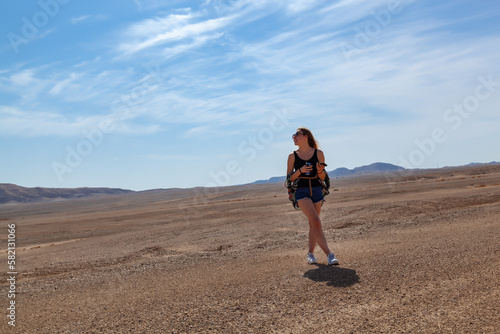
(377, 167)
(11, 193)
(14, 193)
(481, 163)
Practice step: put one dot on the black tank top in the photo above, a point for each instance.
(304, 183)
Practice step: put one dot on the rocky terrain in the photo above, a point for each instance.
(419, 253)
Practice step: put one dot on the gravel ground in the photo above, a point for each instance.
(419, 254)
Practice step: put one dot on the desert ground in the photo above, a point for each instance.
(419, 253)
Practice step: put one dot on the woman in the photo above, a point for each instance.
(307, 164)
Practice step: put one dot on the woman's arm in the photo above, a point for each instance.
(320, 167)
(291, 161)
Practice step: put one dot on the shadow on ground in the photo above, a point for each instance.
(333, 276)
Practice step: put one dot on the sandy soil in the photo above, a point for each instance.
(419, 253)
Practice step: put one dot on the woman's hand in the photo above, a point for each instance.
(320, 167)
(306, 168)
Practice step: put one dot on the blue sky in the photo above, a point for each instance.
(146, 94)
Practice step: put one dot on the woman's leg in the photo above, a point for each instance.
(317, 206)
(316, 234)
(312, 237)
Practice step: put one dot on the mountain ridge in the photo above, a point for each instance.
(14, 194)
(376, 167)
(18, 194)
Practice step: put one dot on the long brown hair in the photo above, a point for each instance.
(310, 138)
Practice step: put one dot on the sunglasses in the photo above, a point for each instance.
(296, 134)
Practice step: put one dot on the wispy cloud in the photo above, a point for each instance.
(295, 6)
(40, 123)
(79, 19)
(87, 62)
(48, 102)
(197, 131)
(300, 66)
(24, 84)
(144, 5)
(18, 122)
(173, 28)
(64, 84)
(87, 18)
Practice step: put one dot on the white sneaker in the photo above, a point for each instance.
(332, 261)
(311, 259)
